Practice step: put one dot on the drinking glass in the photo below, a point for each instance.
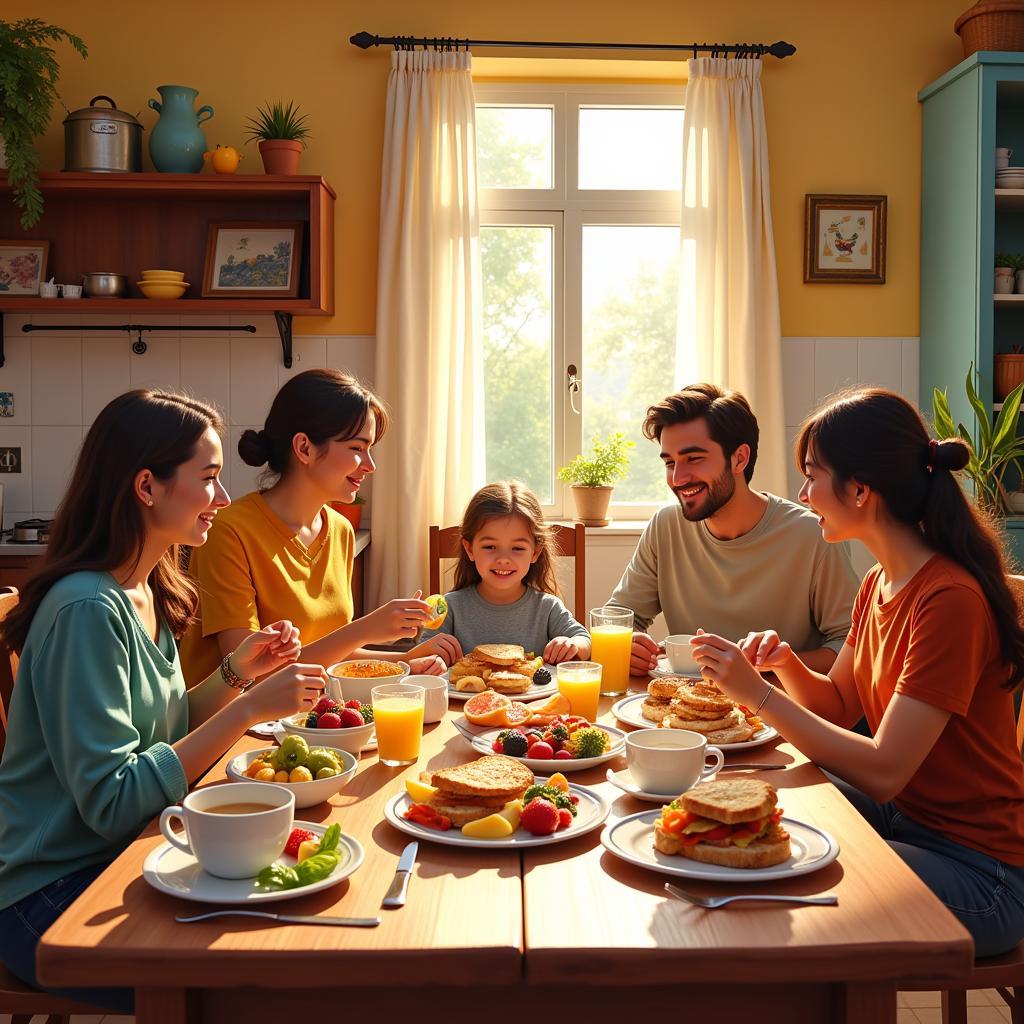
(611, 633)
(398, 716)
(580, 683)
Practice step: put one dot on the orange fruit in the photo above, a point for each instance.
(487, 708)
(516, 714)
(440, 607)
(556, 704)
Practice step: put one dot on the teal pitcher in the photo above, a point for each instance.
(177, 143)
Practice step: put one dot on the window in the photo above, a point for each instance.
(579, 191)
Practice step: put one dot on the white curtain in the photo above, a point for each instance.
(729, 327)
(429, 322)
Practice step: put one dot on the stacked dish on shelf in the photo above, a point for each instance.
(1010, 177)
(163, 284)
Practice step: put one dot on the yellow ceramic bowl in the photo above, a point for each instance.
(162, 289)
(163, 275)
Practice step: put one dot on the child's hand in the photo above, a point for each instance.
(429, 666)
(559, 649)
(443, 645)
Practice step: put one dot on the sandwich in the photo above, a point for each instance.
(734, 823)
(472, 791)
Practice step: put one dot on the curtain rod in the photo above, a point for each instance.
(364, 40)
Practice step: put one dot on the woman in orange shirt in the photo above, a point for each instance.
(934, 655)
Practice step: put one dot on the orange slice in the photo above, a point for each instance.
(487, 708)
(440, 607)
(556, 704)
(516, 714)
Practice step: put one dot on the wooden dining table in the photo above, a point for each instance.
(557, 932)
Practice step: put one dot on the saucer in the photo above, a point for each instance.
(624, 780)
(663, 670)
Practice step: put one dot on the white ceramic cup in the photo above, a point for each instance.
(670, 761)
(232, 845)
(48, 291)
(680, 654)
(435, 697)
(1003, 155)
(70, 291)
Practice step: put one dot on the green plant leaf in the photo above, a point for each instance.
(941, 416)
(984, 427)
(1005, 431)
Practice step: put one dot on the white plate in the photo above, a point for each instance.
(624, 780)
(628, 710)
(177, 873)
(263, 730)
(632, 839)
(484, 744)
(591, 811)
(532, 692)
(663, 670)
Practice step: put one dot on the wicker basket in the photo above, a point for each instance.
(992, 25)
(1009, 372)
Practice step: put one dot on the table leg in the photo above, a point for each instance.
(866, 1002)
(161, 1006)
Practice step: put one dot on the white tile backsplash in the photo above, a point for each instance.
(307, 352)
(106, 373)
(17, 486)
(835, 366)
(798, 378)
(16, 377)
(54, 450)
(56, 381)
(254, 368)
(159, 366)
(880, 362)
(206, 370)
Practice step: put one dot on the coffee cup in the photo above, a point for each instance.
(670, 761)
(680, 654)
(234, 830)
(70, 291)
(435, 697)
(48, 291)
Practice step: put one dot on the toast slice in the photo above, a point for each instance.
(493, 775)
(499, 654)
(730, 801)
(509, 682)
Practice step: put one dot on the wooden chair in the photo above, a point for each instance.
(1003, 973)
(569, 541)
(16, 998)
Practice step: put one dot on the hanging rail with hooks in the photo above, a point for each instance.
(780, 49)
(139, 345)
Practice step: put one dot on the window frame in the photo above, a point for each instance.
(576, 207)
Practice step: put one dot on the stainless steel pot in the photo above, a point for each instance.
(105, 285)
(102, 139)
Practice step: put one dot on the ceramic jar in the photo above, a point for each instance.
(177, 142)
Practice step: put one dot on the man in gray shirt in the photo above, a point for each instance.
(729, 559)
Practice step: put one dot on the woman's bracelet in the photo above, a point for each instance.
(228, 674)
(764, 699)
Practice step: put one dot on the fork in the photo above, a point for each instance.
(713, 902)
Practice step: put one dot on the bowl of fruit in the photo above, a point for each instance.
(568, 742)
(313, 774)
(348, 726)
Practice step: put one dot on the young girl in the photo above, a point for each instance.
(283, 552)
(505, 590)
(101, 732)
(934, 654)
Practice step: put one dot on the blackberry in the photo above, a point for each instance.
(542, 677)
(514, 744)
(311, 720)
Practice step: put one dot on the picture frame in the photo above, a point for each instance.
(253, 259)
(844, 239)
(22, 266)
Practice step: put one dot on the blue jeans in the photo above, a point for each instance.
(23, 923)
(984, 894)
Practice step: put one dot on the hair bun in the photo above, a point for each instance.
(254, 447)
(952, 453)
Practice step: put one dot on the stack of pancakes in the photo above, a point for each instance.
(501, 667)
(700, 707)
(472, 791)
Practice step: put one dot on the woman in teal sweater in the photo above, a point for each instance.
(102, 733)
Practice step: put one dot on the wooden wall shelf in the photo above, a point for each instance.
(125, 223)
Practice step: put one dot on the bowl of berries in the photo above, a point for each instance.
(312, 773)
(348, 726)
(569, 743)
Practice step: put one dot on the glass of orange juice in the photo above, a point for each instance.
(398, 717)
(580, 683)
(611, 633)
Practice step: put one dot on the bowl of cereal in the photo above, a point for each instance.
(353, 680)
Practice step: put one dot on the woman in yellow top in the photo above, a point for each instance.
(283, 552)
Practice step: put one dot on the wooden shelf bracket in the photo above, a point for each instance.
(284, 328)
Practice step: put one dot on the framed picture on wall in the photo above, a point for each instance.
(844, 239)
(253, 259)
(22, 267)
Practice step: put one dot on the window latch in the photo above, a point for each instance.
(575, 386)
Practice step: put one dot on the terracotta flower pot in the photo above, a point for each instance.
(280, 156)
(1009, 372)
(591, 504)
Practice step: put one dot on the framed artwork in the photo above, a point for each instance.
(22, 267)
(253, 259)
(844, 239)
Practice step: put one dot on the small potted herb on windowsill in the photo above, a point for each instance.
(282, 133)
(352, 512)
(592, 478)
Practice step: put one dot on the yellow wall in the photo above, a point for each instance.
(842, 113)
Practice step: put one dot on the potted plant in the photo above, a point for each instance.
(282, 134)
(1008, 371)
(352, 512)
(592, 478)
(996, 449)
(28, 87)
(1006, 267)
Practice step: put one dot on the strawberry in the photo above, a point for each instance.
(325, 704)
(353, 704)
(563, 755)
(542, 751)
(329, 721)
(350, 717)
(498, 747)
(297, 837)
(539, 817)
(564, 817)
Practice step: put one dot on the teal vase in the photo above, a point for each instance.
(177, 143)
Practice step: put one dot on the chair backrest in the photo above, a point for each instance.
(569, 542)
(8, 663)
(1017, 586)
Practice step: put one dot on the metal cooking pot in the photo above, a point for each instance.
(102, 139)
(107, 285)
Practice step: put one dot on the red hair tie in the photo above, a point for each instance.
(933, 448)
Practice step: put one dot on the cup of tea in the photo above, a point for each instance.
(680, 654)
(234, 830)
(435, 696)
(670, 761)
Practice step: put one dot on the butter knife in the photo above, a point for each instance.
(395, 896)
(354, 922)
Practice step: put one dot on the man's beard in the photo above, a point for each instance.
(718, 494)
